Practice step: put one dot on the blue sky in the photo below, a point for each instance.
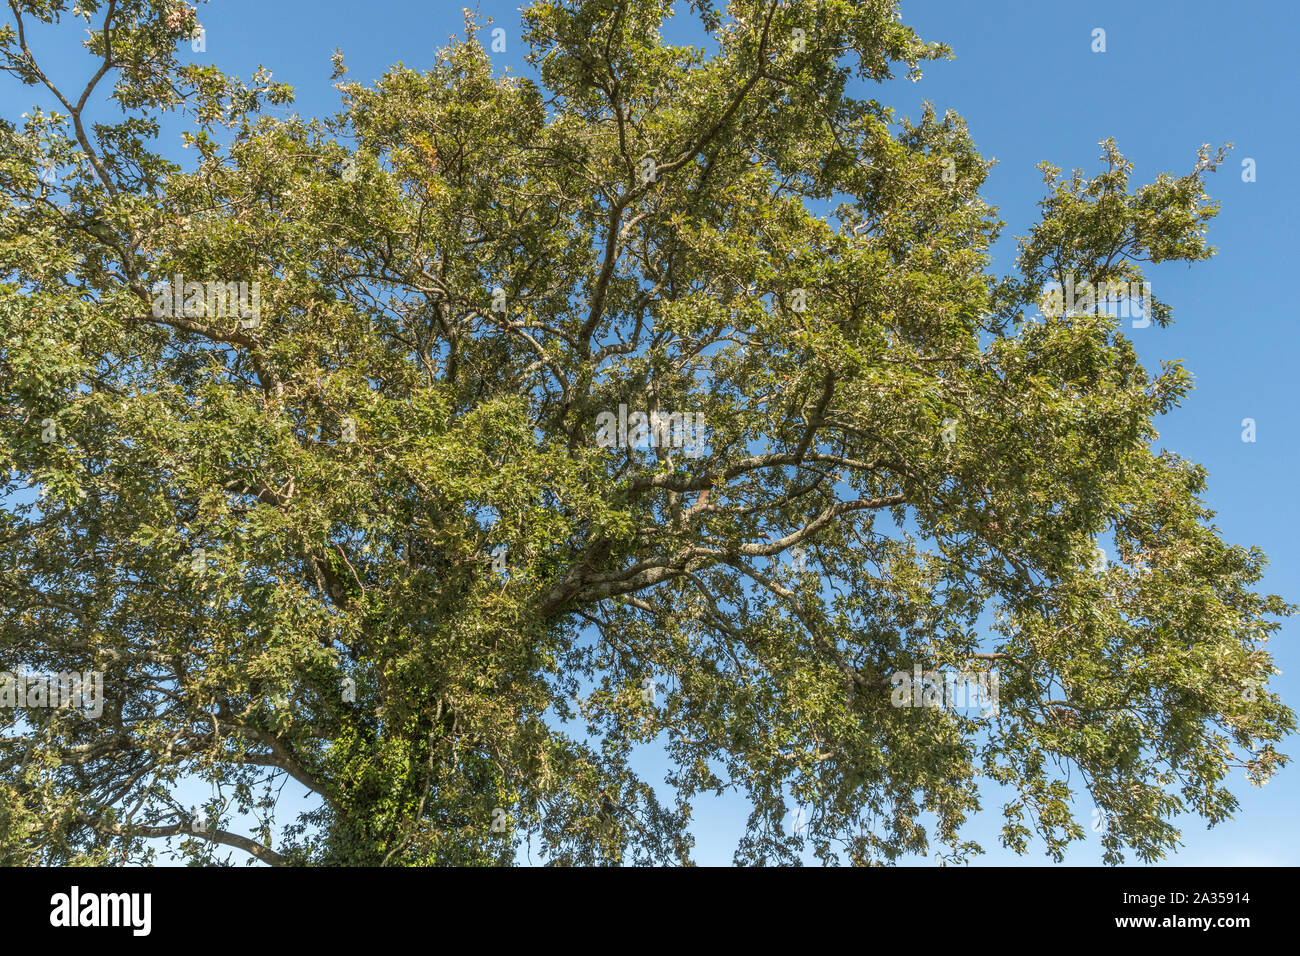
(1175, 74)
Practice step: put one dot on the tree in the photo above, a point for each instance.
(669, 400)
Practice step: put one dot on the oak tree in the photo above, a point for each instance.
(352, 529)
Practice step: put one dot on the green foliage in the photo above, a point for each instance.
(276, 538)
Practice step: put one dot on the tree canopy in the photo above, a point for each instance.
(436, 457)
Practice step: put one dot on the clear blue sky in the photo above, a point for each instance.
(1175, 74)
